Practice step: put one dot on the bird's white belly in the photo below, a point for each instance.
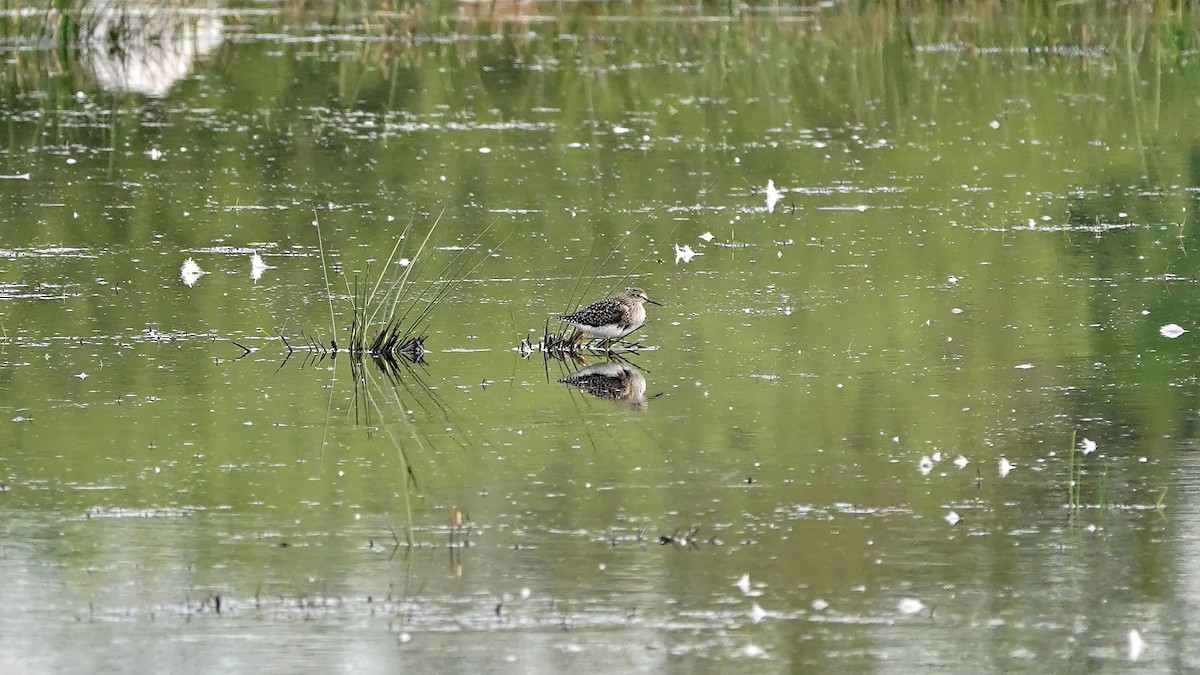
(610, 332)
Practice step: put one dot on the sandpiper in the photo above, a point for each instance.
(612, 318)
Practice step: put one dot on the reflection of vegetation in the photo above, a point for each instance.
(144, 47)
(367, 398)
(495, 34)
(921, 22)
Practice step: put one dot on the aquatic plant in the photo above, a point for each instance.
(1075, 473)
(390, 315)
(565, 342)
(1074, 476)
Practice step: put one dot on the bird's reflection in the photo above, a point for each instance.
(613, 381)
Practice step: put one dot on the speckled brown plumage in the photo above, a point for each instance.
(612, 318)
(611, 381)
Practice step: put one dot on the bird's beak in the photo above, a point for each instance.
(653, 302)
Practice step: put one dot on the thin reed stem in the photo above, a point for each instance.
(325, 271)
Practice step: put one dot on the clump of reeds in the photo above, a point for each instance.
(390, 311)
(379, 325)
(1074, 477)
(1075, 474)
(395, 338)
(569, 341)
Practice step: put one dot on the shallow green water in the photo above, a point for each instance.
(972, 258)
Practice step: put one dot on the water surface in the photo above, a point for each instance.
(905, 273)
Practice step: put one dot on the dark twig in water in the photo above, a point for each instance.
(245, 350)
(396, 539)
(682, 541)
